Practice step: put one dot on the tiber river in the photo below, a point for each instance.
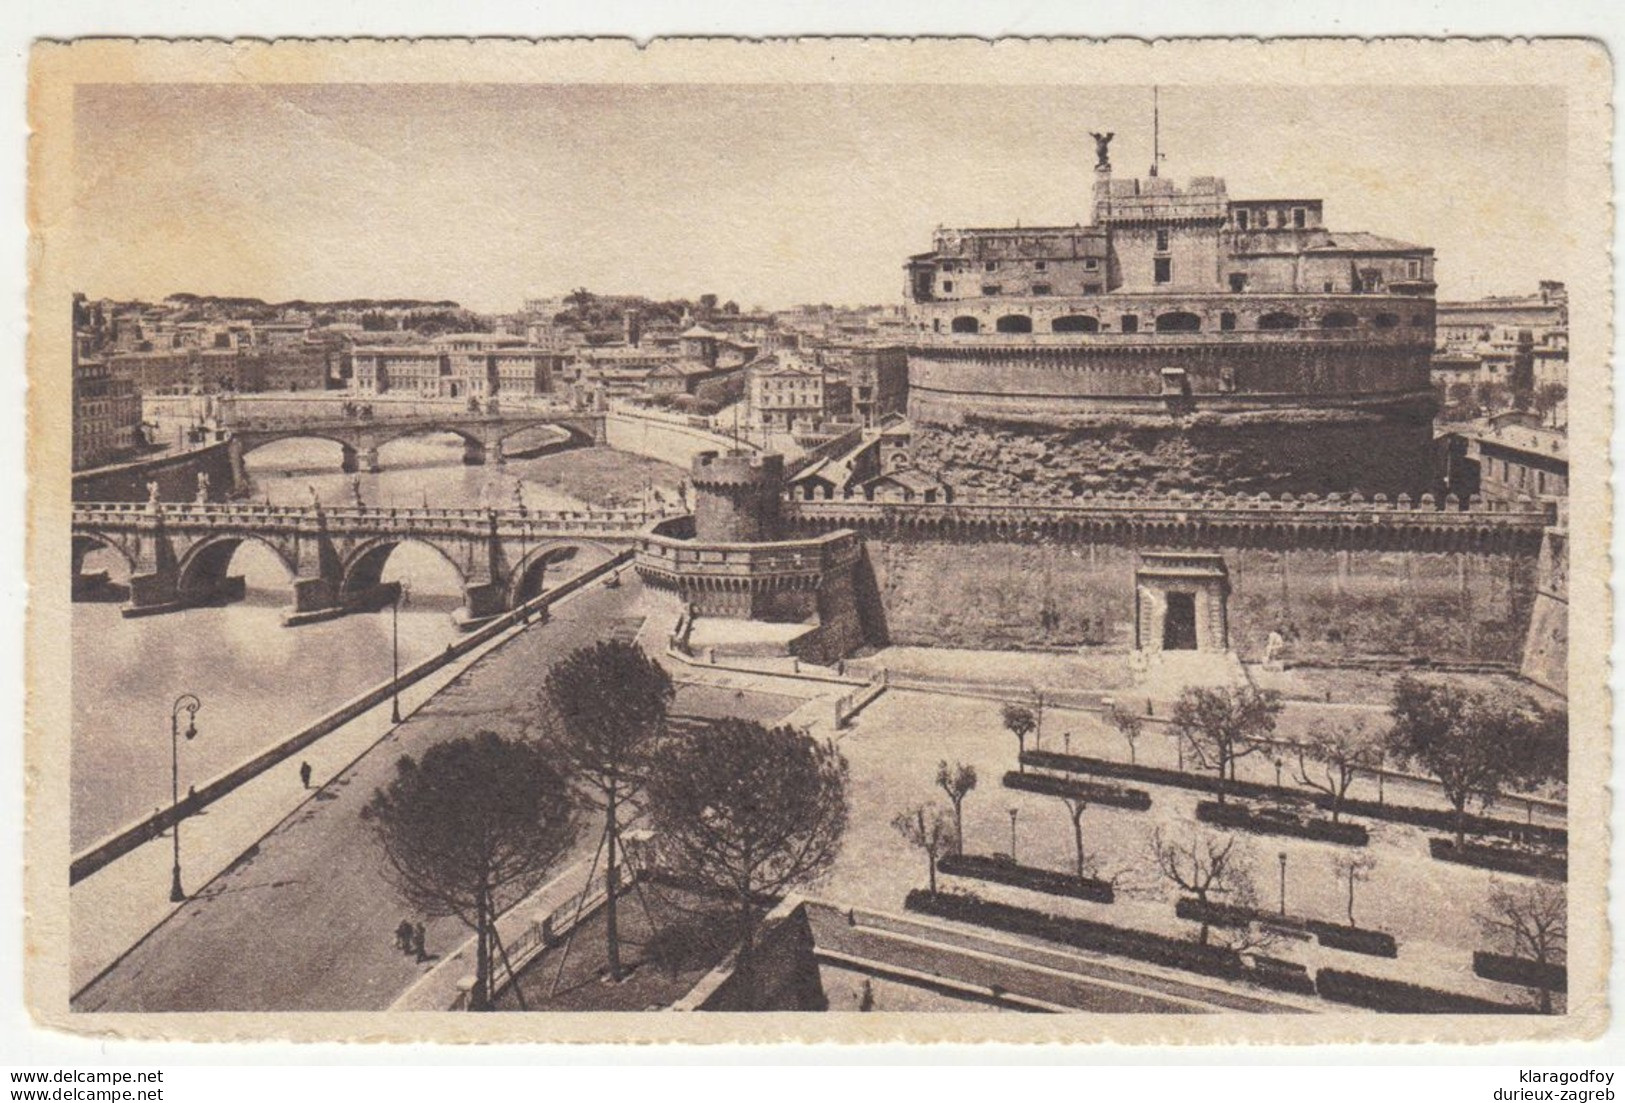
(258, 680)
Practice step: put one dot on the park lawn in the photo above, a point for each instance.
(894, 748)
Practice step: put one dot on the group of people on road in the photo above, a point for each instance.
(409, 939)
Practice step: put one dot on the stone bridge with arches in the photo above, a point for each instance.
(483, 432)
(179, 554)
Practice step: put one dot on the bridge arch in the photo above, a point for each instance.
(527, 580)
(578, 434)
(381, 432)
(253, 441)
(203, 568)
(88, 541)
(362, 571)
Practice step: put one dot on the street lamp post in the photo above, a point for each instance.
(1013, 812)
(1282, 857)
(395, 657)
(190, 705)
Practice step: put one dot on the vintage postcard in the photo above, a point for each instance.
(862, 540)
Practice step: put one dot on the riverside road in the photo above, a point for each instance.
(305, 920)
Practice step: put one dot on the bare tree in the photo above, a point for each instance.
(1205, 865)
(1129, 725)
(1353, 868)
(603, 707)
(1531, 921)
(1075, 809)
(1221, 725)
(928, 828)
(470, 831)
(747, 811)
(1338, 751)
(957, 781)
(1019, 722)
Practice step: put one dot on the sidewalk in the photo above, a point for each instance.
(300, 918)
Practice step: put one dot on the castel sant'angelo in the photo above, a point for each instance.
(1185, 340)
(1197, 424)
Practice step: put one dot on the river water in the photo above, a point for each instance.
(258, 680)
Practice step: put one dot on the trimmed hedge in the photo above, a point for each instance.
(1335, 936)
(1246, 819)
(1214, 915)
(1184, 779)
(1359, 940)
(1445, 820)
(1521, 970)
(1114, 795)
(1550, 867)
(1288, 976)
(1007, 872)
(1396, 996)
(1438, 819)
(1213, 961)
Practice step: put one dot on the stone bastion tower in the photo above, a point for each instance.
(734, 563)
(1183, 341)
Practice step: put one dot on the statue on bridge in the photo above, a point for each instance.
(315, 499)
(202, 488)
(519, 494)
(152, 492)
(355, 491)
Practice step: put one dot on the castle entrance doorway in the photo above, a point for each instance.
(1181, 602)
(1179, 622)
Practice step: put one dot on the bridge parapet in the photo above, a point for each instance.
(179, 554)
(248, 514)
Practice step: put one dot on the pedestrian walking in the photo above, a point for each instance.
(304, 774)
(403, 936)
(417, 942)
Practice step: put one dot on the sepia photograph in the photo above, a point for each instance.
(1026, 541)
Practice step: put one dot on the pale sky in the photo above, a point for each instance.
(766, 194)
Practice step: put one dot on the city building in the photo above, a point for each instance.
(782, 389)
(472, 366)
(1519, 459)
(106, 414)
(1184, 339)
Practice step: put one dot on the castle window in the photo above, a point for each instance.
(1091, 264)
(1298, 218)
(1075, 323)
(1238, 281)
(1413, 269)
(1131, 323)
(992, 289)
(1227, 321)
(1178, 321)
(1162, 241)
(936, 325)
(1091, 289)
(966, 324)
(1385, 321)
(1014, 323)
(1041, 289)
(1241, 220)
(947, 285)
(1339, 319)
(1278, 320)
(1163, 269)
(991, 266)
(1041, 265)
